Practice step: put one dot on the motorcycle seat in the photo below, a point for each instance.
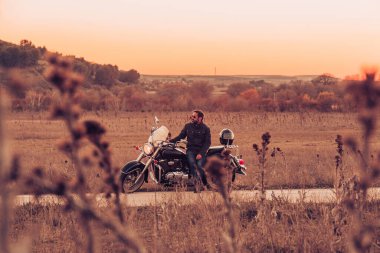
(215, 150)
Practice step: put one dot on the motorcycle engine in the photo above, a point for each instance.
(177, 176)
(171, 165)
(173, 170)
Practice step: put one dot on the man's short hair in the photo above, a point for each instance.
(200, 114)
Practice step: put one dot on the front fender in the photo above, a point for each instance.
(132, 165)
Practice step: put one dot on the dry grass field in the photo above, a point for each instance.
(303, 150)
(308, 160)
(202, 227)
(306, 140)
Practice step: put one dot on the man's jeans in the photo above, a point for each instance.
(194, 164)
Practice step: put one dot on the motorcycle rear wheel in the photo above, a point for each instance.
(128, 181)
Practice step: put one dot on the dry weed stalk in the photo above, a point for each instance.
(339, 173)
(9, 172)
(366, 94)
(94, 133)
(261, 154)
(264, 205)
(220, 171)
(274, 153)
(4, 212)
(62, 77)
(342, 192)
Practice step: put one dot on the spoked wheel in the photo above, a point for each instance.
(128, 181)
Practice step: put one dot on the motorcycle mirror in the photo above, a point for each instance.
(156, 120)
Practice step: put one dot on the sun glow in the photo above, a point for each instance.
(197, 37)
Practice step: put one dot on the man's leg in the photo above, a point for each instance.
(192, 164)
(200, 164)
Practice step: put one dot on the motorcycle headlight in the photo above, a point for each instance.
(148, 149)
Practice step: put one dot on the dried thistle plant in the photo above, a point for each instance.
(219, 169)
(275, 152)
(262, 158)
(94, 132)
(339, 212)
(61, 75)
(4, 211)
(9, 168)
(366, 94)
(339, 175)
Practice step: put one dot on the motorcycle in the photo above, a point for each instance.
(166, 163)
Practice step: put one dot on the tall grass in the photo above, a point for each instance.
(221, 225)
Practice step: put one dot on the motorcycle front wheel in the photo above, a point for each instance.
(128, 181)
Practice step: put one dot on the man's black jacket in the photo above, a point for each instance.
(198, 137)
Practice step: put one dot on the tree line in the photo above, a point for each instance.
(105, 89)
(24, 55)
(293, 96)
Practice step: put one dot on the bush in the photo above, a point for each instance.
(106, 75)
(90, 100)
(16, 56)
(236, 89)
(133, 98)
(130, 76)
(325, 101)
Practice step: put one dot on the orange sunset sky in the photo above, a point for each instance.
(288, 37)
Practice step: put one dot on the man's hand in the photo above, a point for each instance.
(199, 157)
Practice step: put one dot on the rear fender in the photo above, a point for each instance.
(239, 169)
(242, 170)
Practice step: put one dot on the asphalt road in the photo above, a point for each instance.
(139, 199)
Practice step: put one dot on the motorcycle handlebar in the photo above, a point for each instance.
(182, 141)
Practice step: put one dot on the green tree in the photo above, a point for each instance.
(106, 75)
(9, 57)
(26, 43)
(82, 68)
(325, 79)
(130, 76)
(235, 89)
(24, 55)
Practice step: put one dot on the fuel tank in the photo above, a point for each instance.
(172, 154)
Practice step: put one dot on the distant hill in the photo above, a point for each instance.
(31, 63)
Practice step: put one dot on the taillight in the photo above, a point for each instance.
(241, 161)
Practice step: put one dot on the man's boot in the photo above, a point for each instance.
(197, 186)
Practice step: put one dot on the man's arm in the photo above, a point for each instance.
(207, 142)
(182, 135)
